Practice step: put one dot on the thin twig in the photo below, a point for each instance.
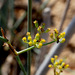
(30, 48)
(20, 64)
(64, 15)
(25, 50)
(29, 30)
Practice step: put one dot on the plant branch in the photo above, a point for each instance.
(29, 30)
(3, 39)
(15, 53)
(48, 43)
(28, 49)
(20, 64)
(25, 50)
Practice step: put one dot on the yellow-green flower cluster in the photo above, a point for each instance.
(35, 42)
(40, 29)
(58, 64)
(58, 37)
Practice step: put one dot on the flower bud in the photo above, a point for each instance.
(34, 41)
(30, 43)
(39, 28)
(24, 39)
(63, 64)
(50, 66)
(63, 40)
(43, 40)
(60, 61)
(43, 25)
(66, 66)
(36, 24)
(60, 67)
(28, 34)
(56, 31)
(37, 36)
(56, 63)
(48, 29)
(52, 60)
(55, 57)
(29, 38)
(51, 35)
(39, 45)
(61, 35)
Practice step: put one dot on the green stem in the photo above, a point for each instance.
(3, 39)
(20, 64)
(29, 30)
(48, 43)
(25, 50)
(28, 49)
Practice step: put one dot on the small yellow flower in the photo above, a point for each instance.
(57, 73)
(60, 67)
(56, 63)
(55, 56)
(60, 61)
(63, 63)
(56, 31)
(52, 60)
(35, 22)
(63, 40)
(28, 33)
(43, 40)
(29, 38)
(30, 43)
(61, 35)
(43, 25)
(50, 66)
(51, 35)
(67, 66)
(48, 29)
(40, 45)
(34, 40)
(39, 28)
(37, 35)
(24, 39)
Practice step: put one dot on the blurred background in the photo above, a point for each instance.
(13, 19)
